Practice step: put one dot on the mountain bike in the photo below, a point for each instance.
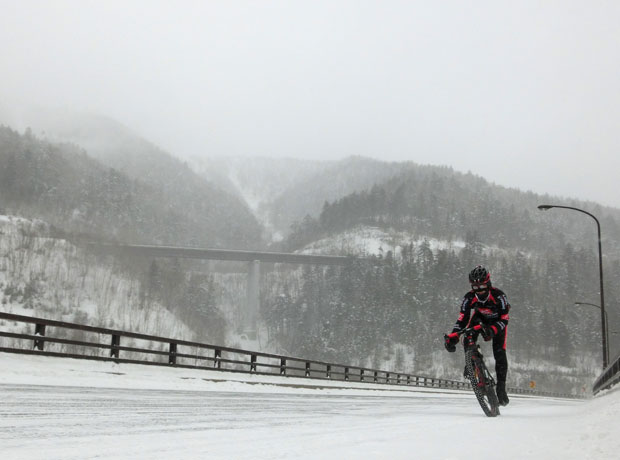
(476, 371)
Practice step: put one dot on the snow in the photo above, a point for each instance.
(56, 408)
(66, 283)
(375, 241)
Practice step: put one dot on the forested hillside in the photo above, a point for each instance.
(282, 191)
(389, 308)
(63, 185)
(397, 309)
(340, 178)
(441, 203)
(263, 183)
(400, 303)
(47, 276)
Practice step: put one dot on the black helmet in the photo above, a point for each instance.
(479, 275)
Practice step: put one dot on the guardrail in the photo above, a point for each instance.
(70, 340)
(609, 377)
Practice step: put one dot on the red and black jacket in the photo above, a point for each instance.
(492, 312)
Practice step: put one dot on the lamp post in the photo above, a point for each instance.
(606, 322)
(545, 207)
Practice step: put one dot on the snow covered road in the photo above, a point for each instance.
(239, 421)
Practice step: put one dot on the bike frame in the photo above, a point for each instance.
(483, 385)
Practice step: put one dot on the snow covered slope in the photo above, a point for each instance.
(42, 275)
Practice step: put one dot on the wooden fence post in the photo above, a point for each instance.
(172, 354)
(39, 329)
(218, 358)
(116, 341)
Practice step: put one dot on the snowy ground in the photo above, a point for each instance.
(375, 241)
(67, 409)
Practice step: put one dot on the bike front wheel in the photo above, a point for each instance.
(481, 383)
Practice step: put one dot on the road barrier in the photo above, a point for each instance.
(609, 377)
(70, 340)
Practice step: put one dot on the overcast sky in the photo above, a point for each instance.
(524, 93)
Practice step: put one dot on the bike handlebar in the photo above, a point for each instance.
(476, 327)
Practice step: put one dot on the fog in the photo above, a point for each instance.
(523, 93)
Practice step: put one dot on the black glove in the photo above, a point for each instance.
(450, 341)
(488, 332)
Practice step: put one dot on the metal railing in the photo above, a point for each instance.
(70, 340)
(609, 377)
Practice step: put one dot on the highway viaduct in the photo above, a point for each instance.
(253, 260)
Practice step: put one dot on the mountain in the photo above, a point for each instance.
(420, 232)
(260, 183)
(203, 213)
(283, 192)
(167, 204)
(341, 178)
(425, 227)
(436, 202)
(416, 230)
(47, 276)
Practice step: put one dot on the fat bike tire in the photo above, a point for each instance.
(481, 383)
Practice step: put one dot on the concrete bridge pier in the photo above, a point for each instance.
(253, 299)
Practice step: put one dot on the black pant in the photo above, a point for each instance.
(499, 353)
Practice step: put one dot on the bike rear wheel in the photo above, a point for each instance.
(482, 383)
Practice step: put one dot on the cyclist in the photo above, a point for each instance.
(490, 308)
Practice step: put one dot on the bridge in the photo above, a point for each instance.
(252, 258)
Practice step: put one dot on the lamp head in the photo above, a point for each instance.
(545, 207)
(587, 303)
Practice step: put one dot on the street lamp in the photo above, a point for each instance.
(545, 207)
(606, 321)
